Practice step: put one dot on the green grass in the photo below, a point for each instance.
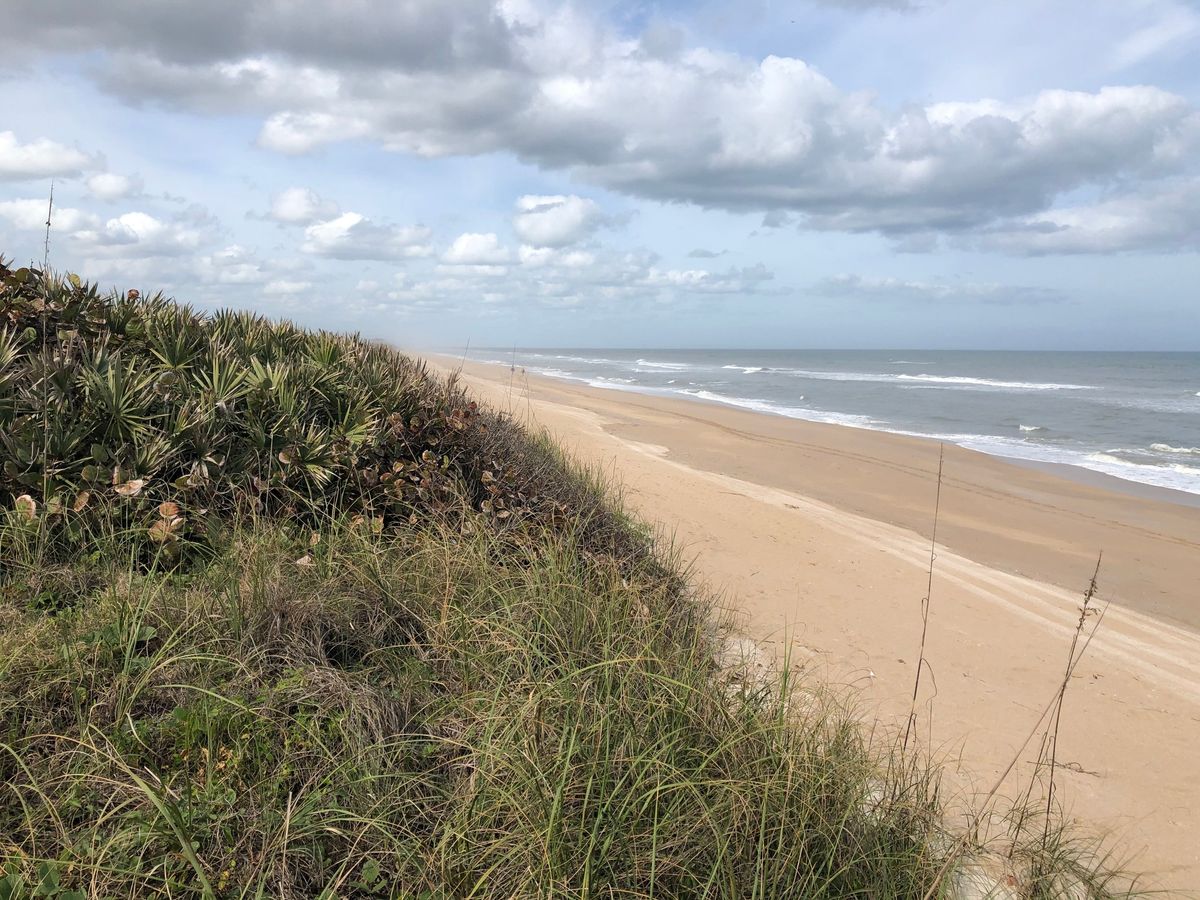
(493, 684)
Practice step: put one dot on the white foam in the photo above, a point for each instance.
(944, 381)
(1174, 476)
(583, 359)
(1171, 475)
(746, 370)
(674, 367)
(1167, 448)
(994, 383)
(791, 412)
(1032, 428)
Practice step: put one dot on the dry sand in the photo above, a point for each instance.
(820, 536)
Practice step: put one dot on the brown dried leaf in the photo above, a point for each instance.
(165, 530)
(131, 488)
(27, 507)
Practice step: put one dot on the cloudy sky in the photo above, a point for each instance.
(813, 173)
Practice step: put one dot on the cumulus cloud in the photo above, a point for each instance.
(556, 221)
(542, 257)
(472, 249)
(30, 215)
(355, 237)
(426, 34)
(1166, 218)
(109, 186)
(863, 287)
(139, 234)
(233, 264)
(560, 90)
(282, 288)
(301, 206)
(40, 158)
(746, 280)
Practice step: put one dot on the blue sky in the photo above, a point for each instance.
(843, 173)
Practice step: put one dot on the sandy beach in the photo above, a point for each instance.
(819, 535)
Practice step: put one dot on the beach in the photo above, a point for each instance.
(819, 536)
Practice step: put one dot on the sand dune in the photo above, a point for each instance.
(820, 537)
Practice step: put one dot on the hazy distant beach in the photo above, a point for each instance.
(820, 535)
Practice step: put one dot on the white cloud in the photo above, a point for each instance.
(39, 159)
(1166, 218)
(232, 265)
(352, 236)
(139, 234)
(561, 90)
(556, 221)
(567, 278)
(301, 206)
(295, 133)
(864, 287)
(1175, 25)
(747, 280)
(473, 249)
(109, 186)
(281, 288)
(539, 257)
(30, 215)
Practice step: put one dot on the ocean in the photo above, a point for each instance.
(1135, 416)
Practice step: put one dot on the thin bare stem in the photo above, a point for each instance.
(937, 505)
(991, 794)
(1084, 611)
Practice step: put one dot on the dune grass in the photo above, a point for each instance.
(334, 631)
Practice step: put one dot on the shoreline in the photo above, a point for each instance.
(818, 536)
(1047, 524)
(1080, 473)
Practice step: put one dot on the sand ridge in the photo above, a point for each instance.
(819, 536)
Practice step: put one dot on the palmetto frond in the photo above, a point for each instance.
(117, 396)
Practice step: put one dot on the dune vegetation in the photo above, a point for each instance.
(282, 614)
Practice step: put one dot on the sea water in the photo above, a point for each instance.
(1132, 415)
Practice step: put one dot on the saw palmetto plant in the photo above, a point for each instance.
(137, 401)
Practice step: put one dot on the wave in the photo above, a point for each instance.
(1031, 428)
(1167, 448)
(925, 380)
(791, 412)
(1173, 476)
(596, 361)
(993, 383)
(671, 367)
(1161, 470)
(746, 370)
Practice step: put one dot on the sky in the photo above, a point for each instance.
(618, 173)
